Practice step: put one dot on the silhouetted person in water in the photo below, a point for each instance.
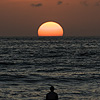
(52, 95)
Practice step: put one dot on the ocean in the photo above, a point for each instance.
(30, 65)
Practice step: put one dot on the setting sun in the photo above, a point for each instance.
(50, 29)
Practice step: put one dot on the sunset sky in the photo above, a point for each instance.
(23, 17)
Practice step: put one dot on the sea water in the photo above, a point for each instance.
(29, 66)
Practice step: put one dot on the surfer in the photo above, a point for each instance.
(52, 95)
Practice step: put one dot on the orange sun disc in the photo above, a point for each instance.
(50, 29)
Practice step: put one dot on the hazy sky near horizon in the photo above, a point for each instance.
(23, 17)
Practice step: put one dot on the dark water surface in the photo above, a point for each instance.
(28, 66)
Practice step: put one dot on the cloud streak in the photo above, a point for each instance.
(37, 5)
(97, 3)
(85, 3)
(59, 2)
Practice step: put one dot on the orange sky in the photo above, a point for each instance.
(23, 17)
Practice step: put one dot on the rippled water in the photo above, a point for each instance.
(28, 66)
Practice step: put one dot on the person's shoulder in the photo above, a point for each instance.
(52, 93)
(48, 93)
(55, 92)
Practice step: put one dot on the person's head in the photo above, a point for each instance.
(52, 88)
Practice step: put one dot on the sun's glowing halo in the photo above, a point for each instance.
(50, 29)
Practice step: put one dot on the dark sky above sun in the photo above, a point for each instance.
(23, 17)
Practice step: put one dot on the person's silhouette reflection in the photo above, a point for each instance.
(52, 95)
